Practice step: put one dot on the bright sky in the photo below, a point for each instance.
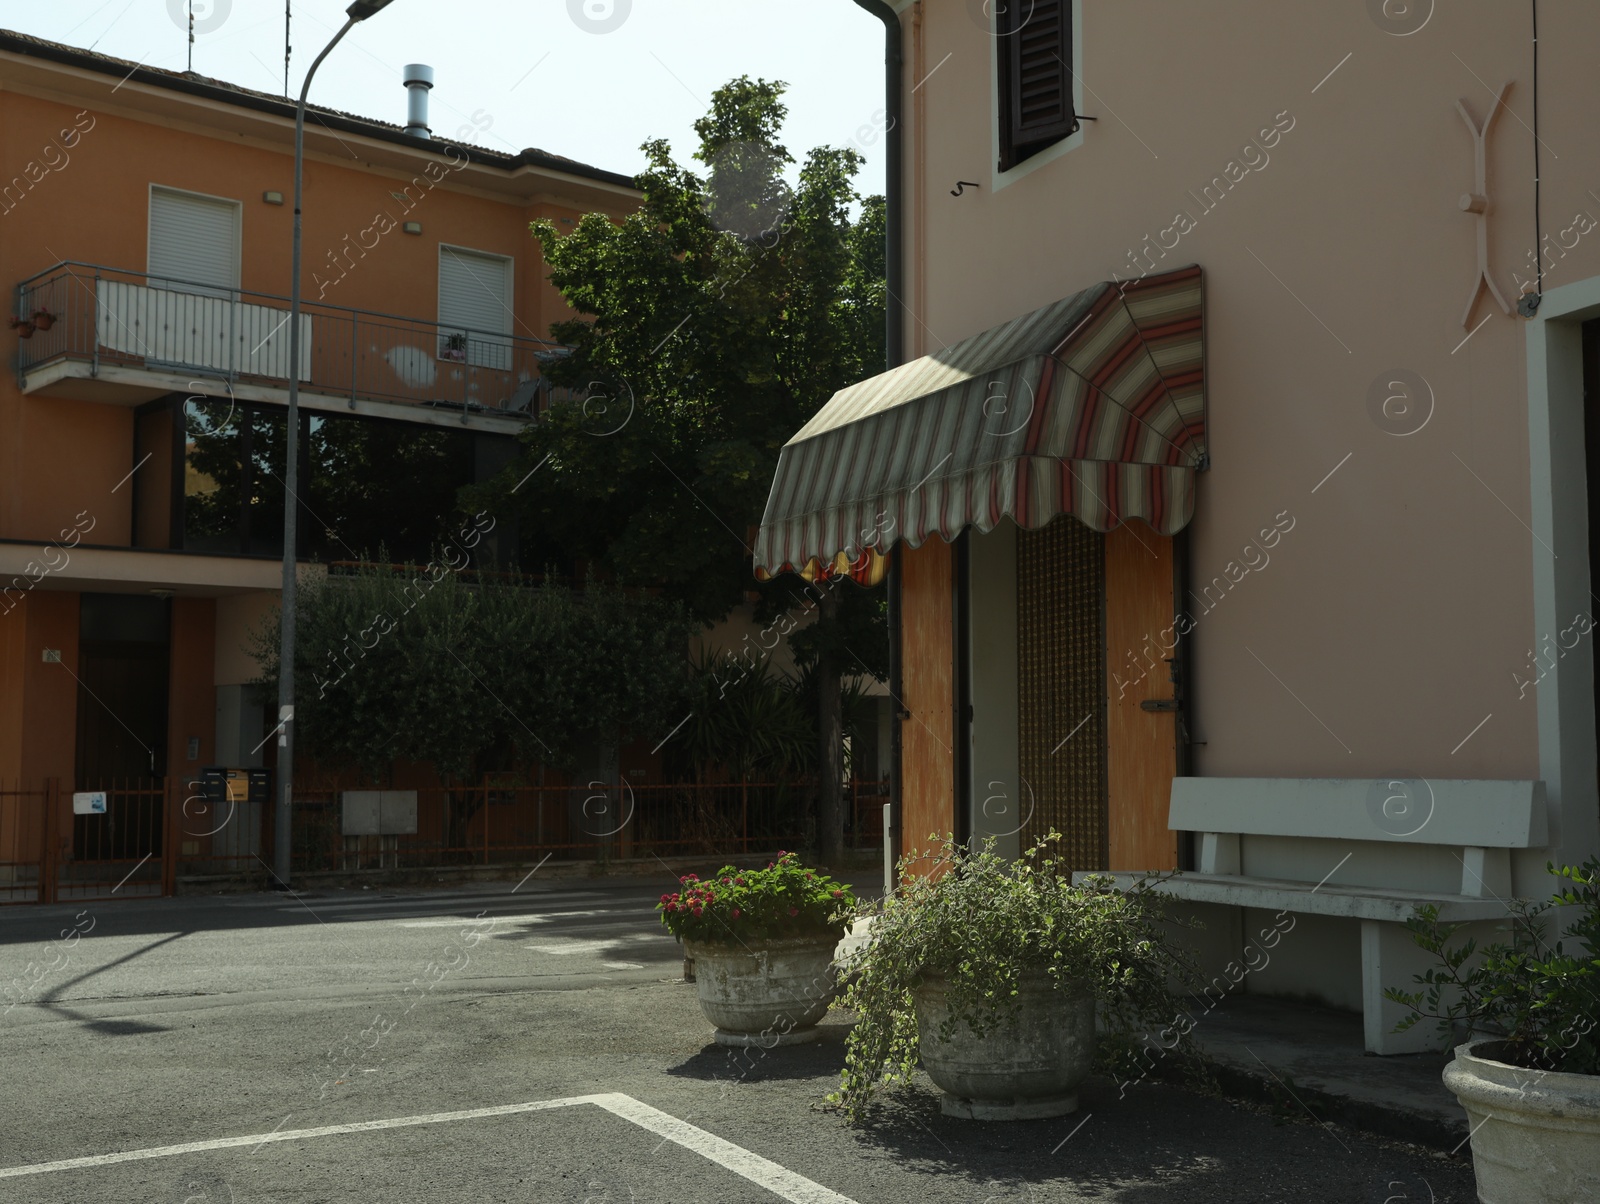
(590, 79)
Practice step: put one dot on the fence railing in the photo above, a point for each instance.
(108, 316)
(144, 835)
(486, 825)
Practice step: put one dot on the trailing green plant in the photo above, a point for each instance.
(1541, 998)
(984, 924)
(787, 899)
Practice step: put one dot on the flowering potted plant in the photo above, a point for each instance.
(994, 972)
(455, 347)
(1528, 1074)
(762, 943)
(43, 318)
(23, 327)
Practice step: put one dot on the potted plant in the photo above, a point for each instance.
(43, 318)
(1528, 1071)
(996, 971)
(23, 327)
(455, 347)
(762, 942)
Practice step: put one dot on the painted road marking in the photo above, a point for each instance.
(761, 1171)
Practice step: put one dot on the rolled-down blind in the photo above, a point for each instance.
(475, 308)
(194, 240)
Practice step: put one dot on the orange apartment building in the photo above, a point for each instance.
(145, 224)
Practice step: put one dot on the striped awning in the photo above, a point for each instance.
(1093, 406)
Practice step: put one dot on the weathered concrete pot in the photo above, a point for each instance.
(1535, 1135)
(1027, 1068)
(768, 993)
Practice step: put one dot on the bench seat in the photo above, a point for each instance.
(1249, 823)
(1306, 898)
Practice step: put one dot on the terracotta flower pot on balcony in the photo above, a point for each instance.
(44, 319)
(23, 327)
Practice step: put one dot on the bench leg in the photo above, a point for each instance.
(1389, 958)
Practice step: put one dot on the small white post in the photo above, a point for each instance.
(888, 856)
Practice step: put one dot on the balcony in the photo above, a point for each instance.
(125, 338)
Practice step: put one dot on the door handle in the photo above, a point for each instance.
(1159, 704)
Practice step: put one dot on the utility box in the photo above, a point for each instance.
(379, 812)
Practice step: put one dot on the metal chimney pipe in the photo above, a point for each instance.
(419, 82)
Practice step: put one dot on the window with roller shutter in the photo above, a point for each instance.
(1034, 56)
(194, 240)
(475, 308)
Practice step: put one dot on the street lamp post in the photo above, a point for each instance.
(359, 11)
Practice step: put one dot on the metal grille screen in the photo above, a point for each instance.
(1061, 686)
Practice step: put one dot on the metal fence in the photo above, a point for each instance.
(487, 825)
(108, 317)
(154, 832)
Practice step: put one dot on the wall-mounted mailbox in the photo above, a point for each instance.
(379, 812)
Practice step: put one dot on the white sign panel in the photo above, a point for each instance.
(91, 802)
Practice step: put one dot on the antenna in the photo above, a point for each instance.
(288, 50)
(190, 6)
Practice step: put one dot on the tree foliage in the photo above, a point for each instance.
(476, 677)
(713, 323)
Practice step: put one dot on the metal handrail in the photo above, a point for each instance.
(212, 290)
(113, 316)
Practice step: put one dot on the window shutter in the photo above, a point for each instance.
(475, 306)
(194, 240)
(1035, 83)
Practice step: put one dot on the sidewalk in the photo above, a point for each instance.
(1312, 1060)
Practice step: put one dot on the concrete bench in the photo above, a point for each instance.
(1368, 851)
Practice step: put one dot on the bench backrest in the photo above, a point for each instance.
(1476, 813)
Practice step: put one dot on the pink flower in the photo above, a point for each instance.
(698, 909)
(838, 894)
(727, 882)
(794, 911)
(736, 913)
(740, 881)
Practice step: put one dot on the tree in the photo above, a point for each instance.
(713, 323)
(476, 677)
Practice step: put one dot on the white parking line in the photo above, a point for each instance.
(763, 1172)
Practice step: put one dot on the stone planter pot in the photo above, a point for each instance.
(1535, 1134)
(768, 993)
(1028, 1068)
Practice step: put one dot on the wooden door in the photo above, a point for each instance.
(927, 686)
(1141, 745)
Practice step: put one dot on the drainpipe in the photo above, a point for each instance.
(894, 344)
(893, 190)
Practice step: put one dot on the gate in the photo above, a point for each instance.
(122, 851)
(119, 853)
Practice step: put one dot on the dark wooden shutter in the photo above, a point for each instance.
(1035, 59)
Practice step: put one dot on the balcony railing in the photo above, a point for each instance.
(107, 317)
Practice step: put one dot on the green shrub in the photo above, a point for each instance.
(984, 924)
(1541, 999)
(784, 900)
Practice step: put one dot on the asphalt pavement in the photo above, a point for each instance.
(537, 1044)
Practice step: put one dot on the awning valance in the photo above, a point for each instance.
(1093, 406)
